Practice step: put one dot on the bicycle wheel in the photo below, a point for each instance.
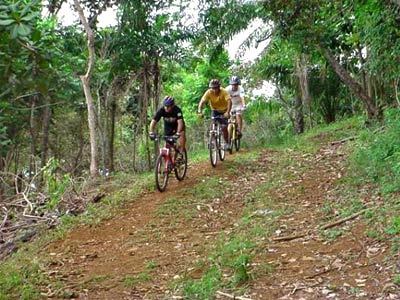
(231, 138)
(237, 143)
(221, 146)
(213, 150)
(180, 165)
(161, 172)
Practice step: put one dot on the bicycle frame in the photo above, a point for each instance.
(167, 161)
(232, 126)
(214, 141)
(165, 152)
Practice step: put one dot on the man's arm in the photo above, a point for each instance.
(180, 125)
(242, 96)
(152, 125)
(229, 105)
(201, 104)
(203, 101)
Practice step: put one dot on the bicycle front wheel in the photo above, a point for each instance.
(213, 145)
(161, 172)
(181, 165)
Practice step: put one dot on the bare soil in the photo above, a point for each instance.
(143, 239)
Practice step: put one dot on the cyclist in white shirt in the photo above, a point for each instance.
(236, 92)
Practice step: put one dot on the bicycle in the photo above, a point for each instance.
(214, 141)
(169, 159)
(233, 132)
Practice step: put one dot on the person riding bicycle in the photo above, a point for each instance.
(236, 93)
(220, 103)
(174, 123)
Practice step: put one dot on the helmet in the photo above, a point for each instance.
(168, 101)
(234, 80)
(214, 83)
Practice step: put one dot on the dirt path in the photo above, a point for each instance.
(154, 240)
(97, 261)
(350, 266)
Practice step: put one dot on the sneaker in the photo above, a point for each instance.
(227, 147)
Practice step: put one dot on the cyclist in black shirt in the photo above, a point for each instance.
(173, 121)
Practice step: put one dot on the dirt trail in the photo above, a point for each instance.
(94, 261)
(147, 237)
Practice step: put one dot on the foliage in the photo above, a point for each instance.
(377, 158)
(55, 187)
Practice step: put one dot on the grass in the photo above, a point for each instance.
(22, 274)
(130, 281)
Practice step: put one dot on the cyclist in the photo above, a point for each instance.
(173, 121)
(236, 93)
(220, 103)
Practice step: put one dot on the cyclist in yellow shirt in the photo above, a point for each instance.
(220, 102)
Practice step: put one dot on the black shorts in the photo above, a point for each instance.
(173, 130)
(220, 117)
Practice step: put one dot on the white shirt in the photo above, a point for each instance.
(236, 96)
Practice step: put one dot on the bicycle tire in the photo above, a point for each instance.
(161, 174)
(231, 129)
(221, 150)
(237, 144)
(213, 150)
(181, 167)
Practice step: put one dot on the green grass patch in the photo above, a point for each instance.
(205, 287)
(130, 281)
(396, 279)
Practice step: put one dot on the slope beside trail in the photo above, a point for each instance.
(148, 244)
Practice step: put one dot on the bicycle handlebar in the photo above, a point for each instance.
(168, 138)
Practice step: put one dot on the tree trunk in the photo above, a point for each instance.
(46, 125)
(156, 95)
(86, 88)
(396, 91)
(112, 136)
(145, 108)
(302, 74)
(33, 134)
(2, 167)
(299, 115)
(373, 111)
(362, 63)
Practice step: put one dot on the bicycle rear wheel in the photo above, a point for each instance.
(237, 143)
(231, 138)
(161, 172)
(220, 145)
(213, 145)
(221, 148)
(181, 165)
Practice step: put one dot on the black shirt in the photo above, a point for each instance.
(170, 119)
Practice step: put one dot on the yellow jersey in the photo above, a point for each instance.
(217, 102)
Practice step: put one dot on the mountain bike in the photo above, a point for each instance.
(234, 137)
(169, 159)
(216, 141)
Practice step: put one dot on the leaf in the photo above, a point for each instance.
(23, 30)
(6, 22)
(28, 18)
(14, 32)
